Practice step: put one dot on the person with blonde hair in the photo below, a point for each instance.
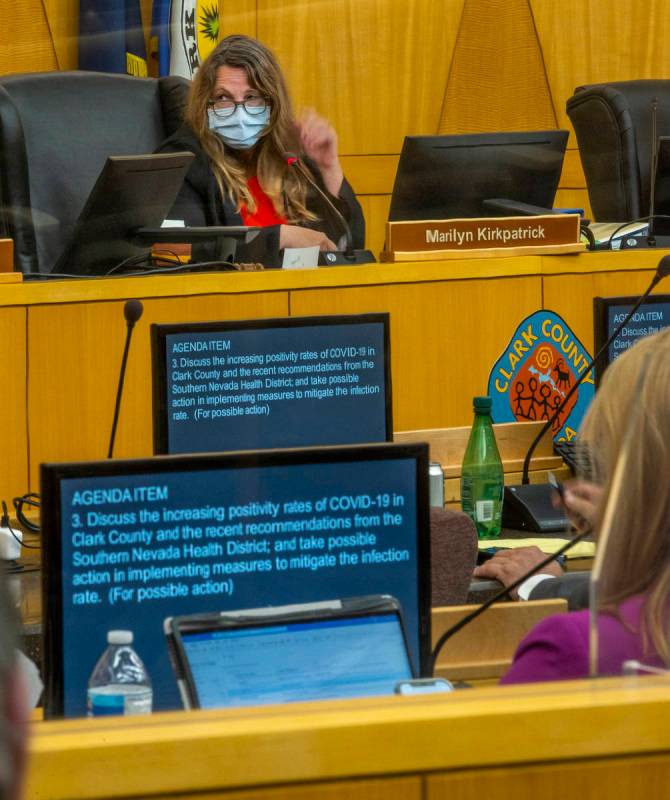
(634, 587)
(13, 704)
(240, 125)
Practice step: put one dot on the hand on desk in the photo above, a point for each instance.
(508, 566)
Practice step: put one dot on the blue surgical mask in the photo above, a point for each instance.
(241, 129)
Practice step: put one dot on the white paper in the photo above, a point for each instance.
(301, 257)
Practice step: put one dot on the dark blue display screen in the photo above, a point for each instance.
(648, 319)
(138, 548)
(276, 386)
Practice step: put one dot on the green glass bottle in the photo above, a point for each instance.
(482, 474)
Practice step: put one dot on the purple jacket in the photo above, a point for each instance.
(558, 647)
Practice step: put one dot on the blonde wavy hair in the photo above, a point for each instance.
(636, 390)
(8, 732)
(285, 186)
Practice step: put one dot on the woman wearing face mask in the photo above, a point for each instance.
(240, 126)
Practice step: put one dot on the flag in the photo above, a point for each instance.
(159, 41)
(111, 37)
(184, 32)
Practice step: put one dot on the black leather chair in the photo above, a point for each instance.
(56, 131)
(613, 123)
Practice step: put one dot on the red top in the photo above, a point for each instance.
(265, 213)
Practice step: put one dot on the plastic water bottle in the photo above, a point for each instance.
(119, 683)
(482, 474)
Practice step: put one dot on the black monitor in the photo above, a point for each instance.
(661, 226)
(608, 312)
(288, 382)
(129, 543)
(447, 177)
(131, 192)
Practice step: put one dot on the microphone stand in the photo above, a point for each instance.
(132, 311)
(330, 258)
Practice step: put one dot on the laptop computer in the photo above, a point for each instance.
(336, 649)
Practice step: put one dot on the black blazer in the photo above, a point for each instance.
(573, 586)
(199, 203)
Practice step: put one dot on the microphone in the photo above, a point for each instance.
(132, 311)
(528, 507)
(651, 239)
(468, 618)
(349, 256)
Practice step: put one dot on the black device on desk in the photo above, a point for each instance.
(447, 177)
(660, 226)
(354, 647)
(124, 212)
(129, 543)
(286, 382)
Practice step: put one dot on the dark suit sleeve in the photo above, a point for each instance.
(573, 587)
(345, 202)
(353, 213)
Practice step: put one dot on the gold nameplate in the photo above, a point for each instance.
(418, 240)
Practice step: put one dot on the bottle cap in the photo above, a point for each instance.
(119, 637)
(482, 404)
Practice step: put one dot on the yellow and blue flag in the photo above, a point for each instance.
(111, 37)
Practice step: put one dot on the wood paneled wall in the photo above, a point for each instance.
(381, 69)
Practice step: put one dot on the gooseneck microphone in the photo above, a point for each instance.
(349, 255)
(293, 161)
(468, 618)
(536, 498)
(132, 311)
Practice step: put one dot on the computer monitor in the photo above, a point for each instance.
(129, 543)
(289, 382)
(608, 312)
(661, 226)
(131, 192)
(447, 177)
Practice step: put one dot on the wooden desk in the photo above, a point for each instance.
(61, 341)
(608, 738)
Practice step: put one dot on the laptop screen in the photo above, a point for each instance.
(299, 661)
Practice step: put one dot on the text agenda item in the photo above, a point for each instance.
(129, 543)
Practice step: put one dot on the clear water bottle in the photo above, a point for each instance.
(119, 683)
(482, 479)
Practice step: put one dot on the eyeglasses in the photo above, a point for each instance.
(225, 107)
